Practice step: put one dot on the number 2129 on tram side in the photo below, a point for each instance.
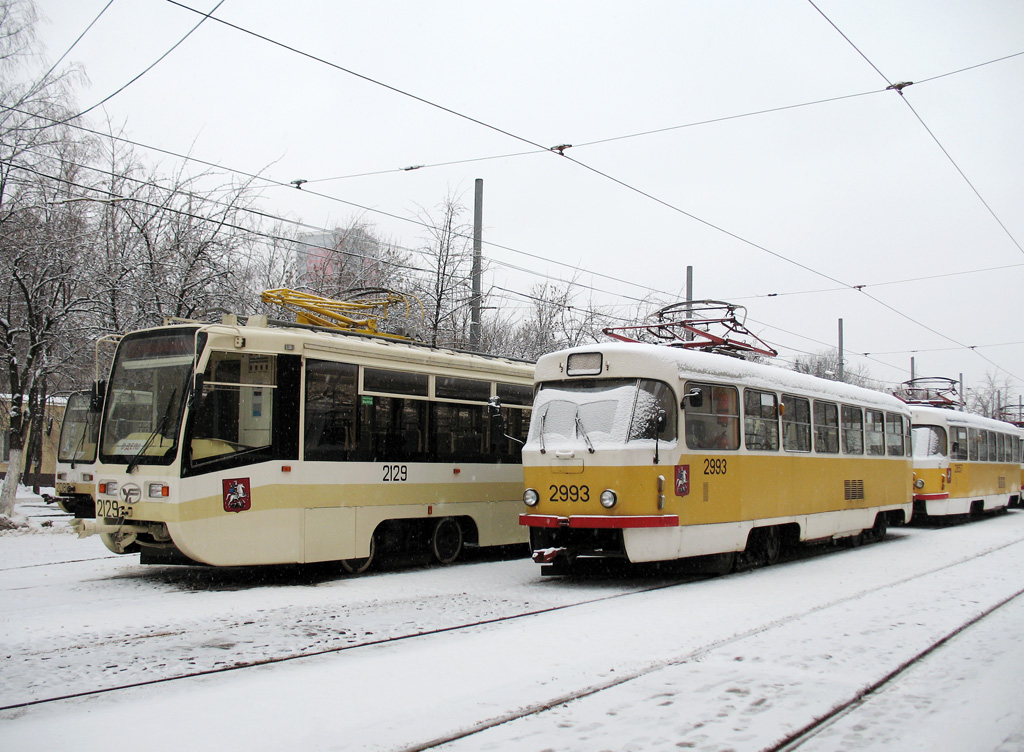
(241, 445)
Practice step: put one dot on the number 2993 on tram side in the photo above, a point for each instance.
(651, 453)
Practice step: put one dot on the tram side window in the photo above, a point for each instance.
(973, 443)
(895, 439)
(853, 430)
(392, 429)
(460, 432)
(715, 423)
(761, 420)
(874, 432)
(958, 451)
(796, 424)
(331, 395)
(826, 427)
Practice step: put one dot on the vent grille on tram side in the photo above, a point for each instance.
(854, 489)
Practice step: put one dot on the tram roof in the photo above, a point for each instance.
(930, 413)
(664, 362)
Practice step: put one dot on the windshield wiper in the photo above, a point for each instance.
(581, 430)
(543, 418)
(160, 426)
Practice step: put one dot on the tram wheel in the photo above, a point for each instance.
(446, 541)
(771, 545)
(880, 528)
(358, 566)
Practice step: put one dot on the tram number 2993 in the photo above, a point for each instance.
(569, 493)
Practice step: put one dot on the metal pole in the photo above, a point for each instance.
(478, 225)
(689, 299)
(839, 370)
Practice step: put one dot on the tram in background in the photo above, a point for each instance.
(654, 452)
(964, 464)
(74, 475)
(1015, 414)
(230, 444)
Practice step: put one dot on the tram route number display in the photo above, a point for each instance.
(569, 493)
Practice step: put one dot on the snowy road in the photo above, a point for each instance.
(392, 661)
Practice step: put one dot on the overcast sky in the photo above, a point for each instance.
(781, 168)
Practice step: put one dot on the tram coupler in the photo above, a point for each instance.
(547, 555)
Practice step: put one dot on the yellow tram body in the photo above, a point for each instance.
(963, 463)
(665, 495)
(239, 445)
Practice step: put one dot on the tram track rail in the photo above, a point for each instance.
(540, 707)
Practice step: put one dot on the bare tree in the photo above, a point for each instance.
(445, 288)
(825, 365)
(991, 396)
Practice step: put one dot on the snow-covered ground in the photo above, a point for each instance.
(489, 655)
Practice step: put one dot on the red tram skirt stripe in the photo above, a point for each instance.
(931, 497)
(598, 521)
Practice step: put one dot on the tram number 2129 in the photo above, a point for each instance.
(396, 473)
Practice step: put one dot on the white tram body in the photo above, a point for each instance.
(654, 453)
(243, 445)
(963, 463)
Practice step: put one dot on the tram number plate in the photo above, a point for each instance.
(111, 508)
(569, 493)
(715, 466)
(396, 473)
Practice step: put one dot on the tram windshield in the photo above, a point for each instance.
(929, 441)
(602, 412)
(148, 384)
(78, 431)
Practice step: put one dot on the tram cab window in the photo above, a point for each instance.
(760, 420)
(826, 427)
(853, 430)
(715, 423)
(654, 415)
(874, 432)
(929, 441)
(894, 435)
(235, 411)
(796, 424)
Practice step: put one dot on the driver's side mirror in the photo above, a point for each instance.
(96, 396)
(695, 397)
(197, 391)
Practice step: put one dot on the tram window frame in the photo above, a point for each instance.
(796, 423)
(514, 394)
(851, 424)
(825, 416)
(958, 450)
(874, 433)
(937, 437)
(715, 424)
(895, 440)
(332, 415)
(461, 389)
(973, 444)
(388, 381)
(760, 420)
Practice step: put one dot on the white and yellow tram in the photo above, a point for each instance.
(964, 464)
(239, 445)
(652, 453)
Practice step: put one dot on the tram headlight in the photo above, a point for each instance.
(608, 498)
(530, 497)
(919, 483)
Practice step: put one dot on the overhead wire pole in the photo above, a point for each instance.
(478, 230)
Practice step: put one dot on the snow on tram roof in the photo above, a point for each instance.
(661, 361)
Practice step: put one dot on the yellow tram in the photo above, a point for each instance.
(231, 444)
(964, 464)
(648, 452)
